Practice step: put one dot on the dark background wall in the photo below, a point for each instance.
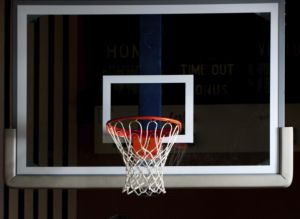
(179, 203)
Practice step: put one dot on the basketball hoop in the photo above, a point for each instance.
(144, 142)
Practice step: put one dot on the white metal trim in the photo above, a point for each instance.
(21, 88)
(147, 9)
(274, 92)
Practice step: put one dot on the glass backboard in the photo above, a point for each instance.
(214, 67)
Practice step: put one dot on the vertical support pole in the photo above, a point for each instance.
(13, 194)
(43, 112)
(150, 95)
(72, 108)
(13, 211)
(28, 193)
(2, 62)
(58, 111)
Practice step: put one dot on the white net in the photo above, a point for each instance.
(144, 143)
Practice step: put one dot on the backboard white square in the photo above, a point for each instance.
(188, 80)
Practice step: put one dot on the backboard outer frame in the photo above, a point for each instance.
(134, 2)
(282, 179)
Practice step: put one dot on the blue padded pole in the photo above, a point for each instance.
(150, 64)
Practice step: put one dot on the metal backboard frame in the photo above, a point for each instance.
(278, 173)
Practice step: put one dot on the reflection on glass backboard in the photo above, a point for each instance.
(229, 64)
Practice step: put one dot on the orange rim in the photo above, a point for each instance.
(157, 118)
